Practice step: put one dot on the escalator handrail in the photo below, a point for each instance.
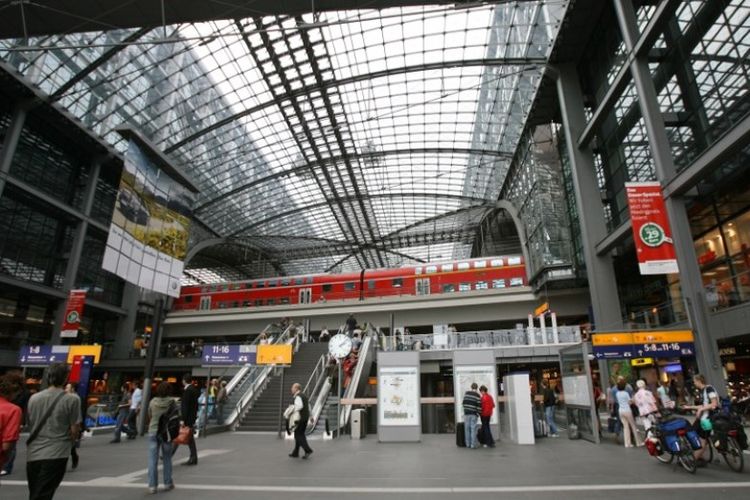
(351, 390)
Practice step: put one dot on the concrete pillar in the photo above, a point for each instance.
(12, 136)
(605, 301)
(126, 326)
(74, 259)
(555, 333)
(690, 278)
(543, 328)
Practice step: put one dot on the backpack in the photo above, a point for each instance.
(169, 423)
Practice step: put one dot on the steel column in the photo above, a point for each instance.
(690, 278)
(601, 276)
(12, 136)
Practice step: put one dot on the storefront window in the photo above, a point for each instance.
(709, 248)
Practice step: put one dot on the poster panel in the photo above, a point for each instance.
(148, 236)
(73, 313)
(399, 396)
(464, 376)
(651, 231)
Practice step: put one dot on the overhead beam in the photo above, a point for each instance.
(306, 90)
(305, 168)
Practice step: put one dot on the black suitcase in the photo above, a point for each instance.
(460, 436)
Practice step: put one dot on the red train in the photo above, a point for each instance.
(426, 279)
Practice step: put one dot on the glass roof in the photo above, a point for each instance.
(331, 142)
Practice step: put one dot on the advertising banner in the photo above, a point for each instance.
(651, 231)
(274, 354)
(228, 355)
(73, 313)
(148, 236)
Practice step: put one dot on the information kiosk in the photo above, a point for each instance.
(399, 409)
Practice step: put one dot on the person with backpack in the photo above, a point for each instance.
(161, 409)
(189, 412)
(708, 408)
(549, 401)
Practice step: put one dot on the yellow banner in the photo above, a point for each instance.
(663, 337)
(541, 309)
(642, 361)
(84, 350)
(274, 355)
(620, 338)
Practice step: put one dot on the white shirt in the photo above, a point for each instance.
(298, 404)
(135, 401)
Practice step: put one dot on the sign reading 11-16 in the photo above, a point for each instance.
(218, 354)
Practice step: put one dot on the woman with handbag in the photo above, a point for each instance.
(623, 399)
(157, 407)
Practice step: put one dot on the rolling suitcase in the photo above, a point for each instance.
(460, 436)
(541, 428)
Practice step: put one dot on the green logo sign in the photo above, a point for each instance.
(652, 235)
(72, 317)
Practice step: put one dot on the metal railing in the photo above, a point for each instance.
(256, 377)
(485, 338)
(366, 352)
(316, 389)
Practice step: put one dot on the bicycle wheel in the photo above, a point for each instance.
(733, 455)
(708, 455)
(686, 458)
(665, 456)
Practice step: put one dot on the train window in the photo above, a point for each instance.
(248, 286)
(371, 284)
(235, 304)
(464, 287)
(245, 303)
(188, 298)
(398, 282)
(258, 302)
(462, 266)
(449, 288)
(298, 281)
(222, 305)
(417, 270)
(284, 282)
(481, 285)
(272, 283)
(327, 288)
(350, 286)
(271, 302)
(260, 284)
(496, 262)
(308, 280)
(480, 264)
(284, 300)
(516, 282)
(446, 268)
(498, 283)
(514, 261)
(430, 269)
(204, 289)
(212, 288)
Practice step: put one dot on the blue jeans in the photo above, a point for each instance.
(154, 446)
(120, 423)
(549, 413)
(470, 431)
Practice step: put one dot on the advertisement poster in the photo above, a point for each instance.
(399, 396)
(73, 313)
(464, 376)
(576, 390)
(651, 231)
(148, 237)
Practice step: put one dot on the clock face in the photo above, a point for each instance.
(340, 346)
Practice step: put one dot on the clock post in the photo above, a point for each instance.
(339, 347)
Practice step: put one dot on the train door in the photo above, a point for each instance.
(423, 286)
(305, 295)
(205, 304)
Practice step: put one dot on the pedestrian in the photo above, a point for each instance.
(550, 402)
(646, 403)
(624, 400)
(302, 408)
(189, 413)
(11, 416)
(664, 397)
(488, 408)
(72, 388)
(54, 423)
(324, 335)
(21, 400)
(351, 324)
(134, 410)
(157, 407)
(123, 409)
(221, 399)
(472, 405)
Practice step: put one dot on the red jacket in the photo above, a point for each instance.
(488, 405)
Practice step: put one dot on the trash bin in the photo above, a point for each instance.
(359, 424)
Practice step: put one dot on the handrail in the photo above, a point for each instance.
(258, 375)
(485, 338)
(351, 390)
(315, 392)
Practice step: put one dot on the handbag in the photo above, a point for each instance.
(183, 436)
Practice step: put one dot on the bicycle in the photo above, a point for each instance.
(725, 439)
(668, 438)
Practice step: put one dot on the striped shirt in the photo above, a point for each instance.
(472, 403)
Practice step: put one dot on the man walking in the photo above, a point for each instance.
(122, 414)
(135, 408)
(189, 413)
(221, 400)
(302, 407)
(54, 423)
(472, 404)
(549, 401)
(10, 416)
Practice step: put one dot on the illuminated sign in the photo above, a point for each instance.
(656, 343)
(541, 309)
(642, 362)
(274, 354)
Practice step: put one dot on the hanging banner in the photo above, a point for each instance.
(73, 313)
(651, 231)
(148, 236)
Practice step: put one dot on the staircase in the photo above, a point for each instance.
(263, 416)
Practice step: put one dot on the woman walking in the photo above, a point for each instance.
(156, 408)
(72, 388)
(622, 396)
